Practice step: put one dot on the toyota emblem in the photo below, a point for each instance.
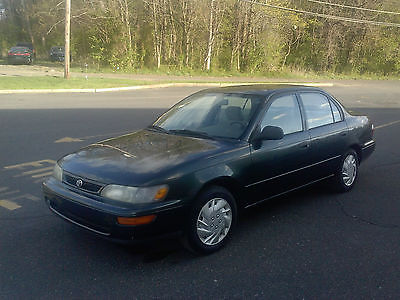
(79, 183)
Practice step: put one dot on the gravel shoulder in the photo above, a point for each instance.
(58, 71)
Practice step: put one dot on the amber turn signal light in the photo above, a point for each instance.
(161, 193)
(136, 220)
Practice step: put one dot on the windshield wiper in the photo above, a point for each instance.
(158, 128)
(192, 133)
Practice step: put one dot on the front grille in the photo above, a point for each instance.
(87, 184)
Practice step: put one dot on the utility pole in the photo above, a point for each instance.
(67, 37)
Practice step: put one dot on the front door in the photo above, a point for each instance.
(279, 165)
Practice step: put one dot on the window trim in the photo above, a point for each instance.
(332, 103)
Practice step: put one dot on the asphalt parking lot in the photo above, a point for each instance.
(311, 244)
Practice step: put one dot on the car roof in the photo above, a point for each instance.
(261, 89)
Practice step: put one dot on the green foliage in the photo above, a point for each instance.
(129, 35)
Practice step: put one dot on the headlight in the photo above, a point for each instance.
(57, 172)
(135, 195)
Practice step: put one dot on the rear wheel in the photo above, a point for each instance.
(211, 221)
(347, 173)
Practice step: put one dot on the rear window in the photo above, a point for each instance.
(19, 50)
(317, 108)
(26, 45)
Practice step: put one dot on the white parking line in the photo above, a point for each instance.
(34, 171)
(35, 164)
(30, 197)
(10, 202)
(9, 205)
(81, 139)
(42, 175)
(68, 139)
(387, 124)
(9, 193)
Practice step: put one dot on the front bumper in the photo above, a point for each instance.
(90, 213)
(56, 57)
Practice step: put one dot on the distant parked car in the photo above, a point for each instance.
(57, 53)
(20, 55)
(27, 45)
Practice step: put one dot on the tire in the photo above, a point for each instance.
(209, 229)
(347, 173)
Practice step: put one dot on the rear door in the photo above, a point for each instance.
(328, 132)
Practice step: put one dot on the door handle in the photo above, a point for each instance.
(344, 133)
(305, 145)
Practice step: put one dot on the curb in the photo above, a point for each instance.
(154, 86)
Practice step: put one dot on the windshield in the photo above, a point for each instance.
(212, 114)
(57, 49)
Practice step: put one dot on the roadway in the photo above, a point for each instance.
(310, 244)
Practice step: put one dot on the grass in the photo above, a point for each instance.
(49, 82)
(104, 80)
(53, 82)
(286, 74)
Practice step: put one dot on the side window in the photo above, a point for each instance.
(336, 113)
(317, 109)
(284, 112)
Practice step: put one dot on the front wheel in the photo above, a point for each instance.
(211, 221)
(347, 173)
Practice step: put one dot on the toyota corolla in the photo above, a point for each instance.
(212, 154)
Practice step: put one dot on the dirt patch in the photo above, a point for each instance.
(58, 70)
(29, 70)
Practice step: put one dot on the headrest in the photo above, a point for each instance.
(234, 113)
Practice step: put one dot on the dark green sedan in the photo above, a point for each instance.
(212, 154)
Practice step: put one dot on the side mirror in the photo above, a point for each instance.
(270, 133)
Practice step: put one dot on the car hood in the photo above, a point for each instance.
(140, 158)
